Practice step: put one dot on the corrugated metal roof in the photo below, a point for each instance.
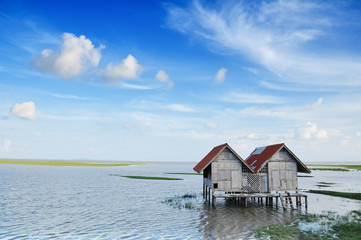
(261, 154)
(212, 155)
(256, 160)
(209, 157)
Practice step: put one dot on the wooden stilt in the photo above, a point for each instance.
(206, 194)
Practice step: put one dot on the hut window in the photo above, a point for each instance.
(264, 169)
(245, 169)
(215, 185)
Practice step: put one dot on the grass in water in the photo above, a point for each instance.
(303, 176)
(331, 169)
(146, 177)
(182, 201)
(185, 173)
(65, 163)
(356, 196)
(326, 183)
(316, 226)
(356, 167)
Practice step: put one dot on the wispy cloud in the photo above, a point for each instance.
(245, 97)
(274, 35)
(163, 77)
(220, 75)
(67, 96)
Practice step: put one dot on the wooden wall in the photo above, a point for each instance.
(227, 172)
(282, 172)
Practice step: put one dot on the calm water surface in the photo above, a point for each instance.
(44, 202)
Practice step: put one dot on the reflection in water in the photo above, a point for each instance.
(231, 221)
(86, 203)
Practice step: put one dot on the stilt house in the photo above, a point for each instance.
(267, 169)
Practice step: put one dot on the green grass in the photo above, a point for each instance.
(186, 173)
(315, 226)
(146, 177)
(303, 176)
(326, 183)
(65, 163)
(356, 167)
(356, 196)
(331, 169)
(188, 201)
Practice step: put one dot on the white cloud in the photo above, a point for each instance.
(76, 55)
(24, 110)
(254, 136)
(243, 97)
(315, 104)
(211, 125)
(68, 96)
(221, 75)
(163, 77)
(179, 108)
(310, 131)
(6, 145)
(127, 69)
(358, 134)
(272, 35)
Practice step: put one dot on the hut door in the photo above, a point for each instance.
(264, 181)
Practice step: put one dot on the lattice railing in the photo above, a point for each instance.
(251, 183)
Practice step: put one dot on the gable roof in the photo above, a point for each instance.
(212, 155)
(260, 156)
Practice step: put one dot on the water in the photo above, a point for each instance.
(44, 202)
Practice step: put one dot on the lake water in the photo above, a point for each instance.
(45, 202)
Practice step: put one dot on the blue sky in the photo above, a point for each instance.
(169, 80)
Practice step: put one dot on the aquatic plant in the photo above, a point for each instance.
(187, 201)
(338, 194)
(356, 167)
(326, 183)
(316, 226)
(331, 169)
(146, 177)
(186, 173)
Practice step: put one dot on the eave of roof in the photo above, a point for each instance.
(213, 154)
(258, 161)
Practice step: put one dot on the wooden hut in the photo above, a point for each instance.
(267, 170)
(222, 170)
(277, 168)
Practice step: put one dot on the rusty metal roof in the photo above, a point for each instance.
(212, 155)
(258, 158)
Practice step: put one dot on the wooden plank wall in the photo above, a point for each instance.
(227, 172)
(282, 172)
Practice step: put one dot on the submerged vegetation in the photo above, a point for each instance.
(182, 201)
(316, 226)
(65, 163)
(356, 196)
(146, 177)
(356, 167)
(324, 184)
(186, 173)
(331, 169)
(343, 168)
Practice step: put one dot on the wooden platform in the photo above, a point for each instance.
(264, 199)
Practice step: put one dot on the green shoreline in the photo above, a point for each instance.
(65, 163)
